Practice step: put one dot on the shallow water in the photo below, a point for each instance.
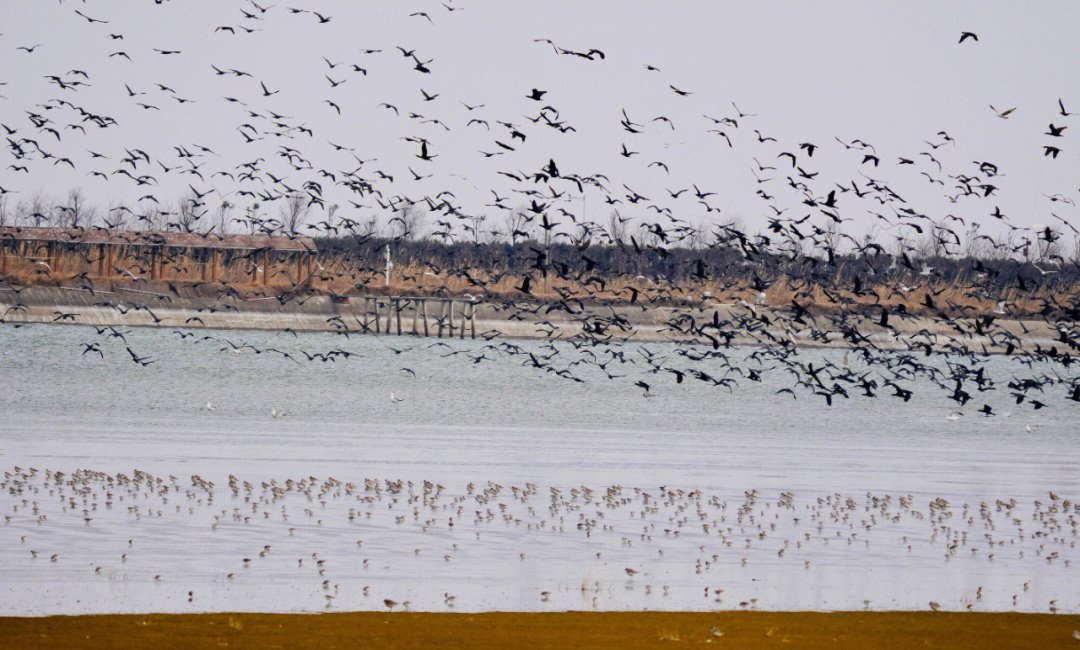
(694, 449)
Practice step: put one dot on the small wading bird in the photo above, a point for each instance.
(652, 522)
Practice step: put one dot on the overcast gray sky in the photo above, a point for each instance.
(890, 74)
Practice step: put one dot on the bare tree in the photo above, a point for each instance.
(830, 237)
(331, 212)
(515, 224)
(1002, 246)
(616, 228)
(187, 213)
(974, 245)
(295, 212)
(904, 243)
(649, 235)
(117, 217)
(75, 213)
(251, 218)
(733, 222)
(582, 239)
(936, 241)
(1047, 244)
(223, 216)
(699, 234)
(5, 214)
(151, 218)
(409, 221)
(870, 236)
(39, 212)
(368, 228)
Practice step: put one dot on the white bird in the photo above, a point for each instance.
(211, 407)
(395, 400)
(953, 417)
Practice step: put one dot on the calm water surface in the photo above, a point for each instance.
(554, 494)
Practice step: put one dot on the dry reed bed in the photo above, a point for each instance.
(341, 277)
(521, 631)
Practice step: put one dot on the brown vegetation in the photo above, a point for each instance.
(520, 631)
(243, 272)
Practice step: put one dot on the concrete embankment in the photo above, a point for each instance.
(183, 307)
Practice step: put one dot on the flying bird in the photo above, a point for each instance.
(1002, 114)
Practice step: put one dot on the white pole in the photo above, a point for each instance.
(389, 265)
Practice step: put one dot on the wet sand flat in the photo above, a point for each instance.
(624, 630)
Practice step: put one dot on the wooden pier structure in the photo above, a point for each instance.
(416, 316)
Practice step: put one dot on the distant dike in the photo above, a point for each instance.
(180, 308)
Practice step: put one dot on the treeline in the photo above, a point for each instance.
(726, 262)
(676, 253)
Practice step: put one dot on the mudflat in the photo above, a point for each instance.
(593, 630)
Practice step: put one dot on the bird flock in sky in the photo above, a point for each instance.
(947, 289)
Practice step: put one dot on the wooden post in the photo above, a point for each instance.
(101, 248)
(375, 311)
(3, 261)
(254, 269)
(461, 334)
(310, 262)
(266, 267)
(423, 312)
(440, 320)
(397, 312)
(450, 321)
(472, 318)
(214, 265)
(415, 316)
(389, 316)
(299, 268)
(110, 264)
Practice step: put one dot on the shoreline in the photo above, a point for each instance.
(126, 307)
(624, 630)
